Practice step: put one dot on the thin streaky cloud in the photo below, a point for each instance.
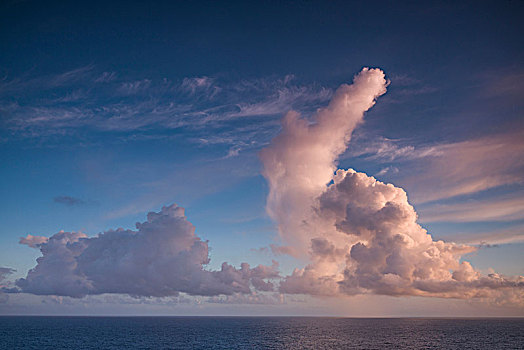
(496, 237)
(470, 166)
(144, 105)
(448, 170)
(487, 209)
(29, 81)
(381, 149)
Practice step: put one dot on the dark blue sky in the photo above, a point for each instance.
(314, 40)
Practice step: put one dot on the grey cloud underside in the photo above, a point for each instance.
(162, 258)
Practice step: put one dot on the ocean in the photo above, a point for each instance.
(33, 332)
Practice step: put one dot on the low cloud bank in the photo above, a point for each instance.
(163, 257)
(359, 235)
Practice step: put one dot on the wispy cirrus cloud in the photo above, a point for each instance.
(382, 149)
(284, 99)
(29, 81)
(106, 77)
(134, 87)
(86, 102)
(505, 82)
(198, 84)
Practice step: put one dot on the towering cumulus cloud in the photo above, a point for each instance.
(359, 234)
(162, 258)
(301, 160)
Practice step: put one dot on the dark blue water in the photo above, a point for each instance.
(258, 333)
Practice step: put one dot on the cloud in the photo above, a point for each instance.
(490, 238)
(470, 166)
(387, 150)
(389, 169)
(500, 209)
(283, 250)
(282, 101)
(361, 235)
(447, 170)
(301, 160)
(254, 298)
(134, 87)
(27, 82)
(33, 241)
(106, 77)
(4, 272)
(506, 82)
(87, 103)
(68, 200)
(163, 257)
(192, 85)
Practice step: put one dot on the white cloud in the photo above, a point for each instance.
(162, 258)
(389, 169)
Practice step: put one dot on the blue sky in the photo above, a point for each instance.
(112, 110)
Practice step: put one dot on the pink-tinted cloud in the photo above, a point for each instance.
(301, 160)
(361, 235)
(447, 170)
(470, 166)
(33, 241)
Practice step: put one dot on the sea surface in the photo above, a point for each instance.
(258, 333)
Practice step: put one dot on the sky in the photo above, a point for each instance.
(262, 158)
